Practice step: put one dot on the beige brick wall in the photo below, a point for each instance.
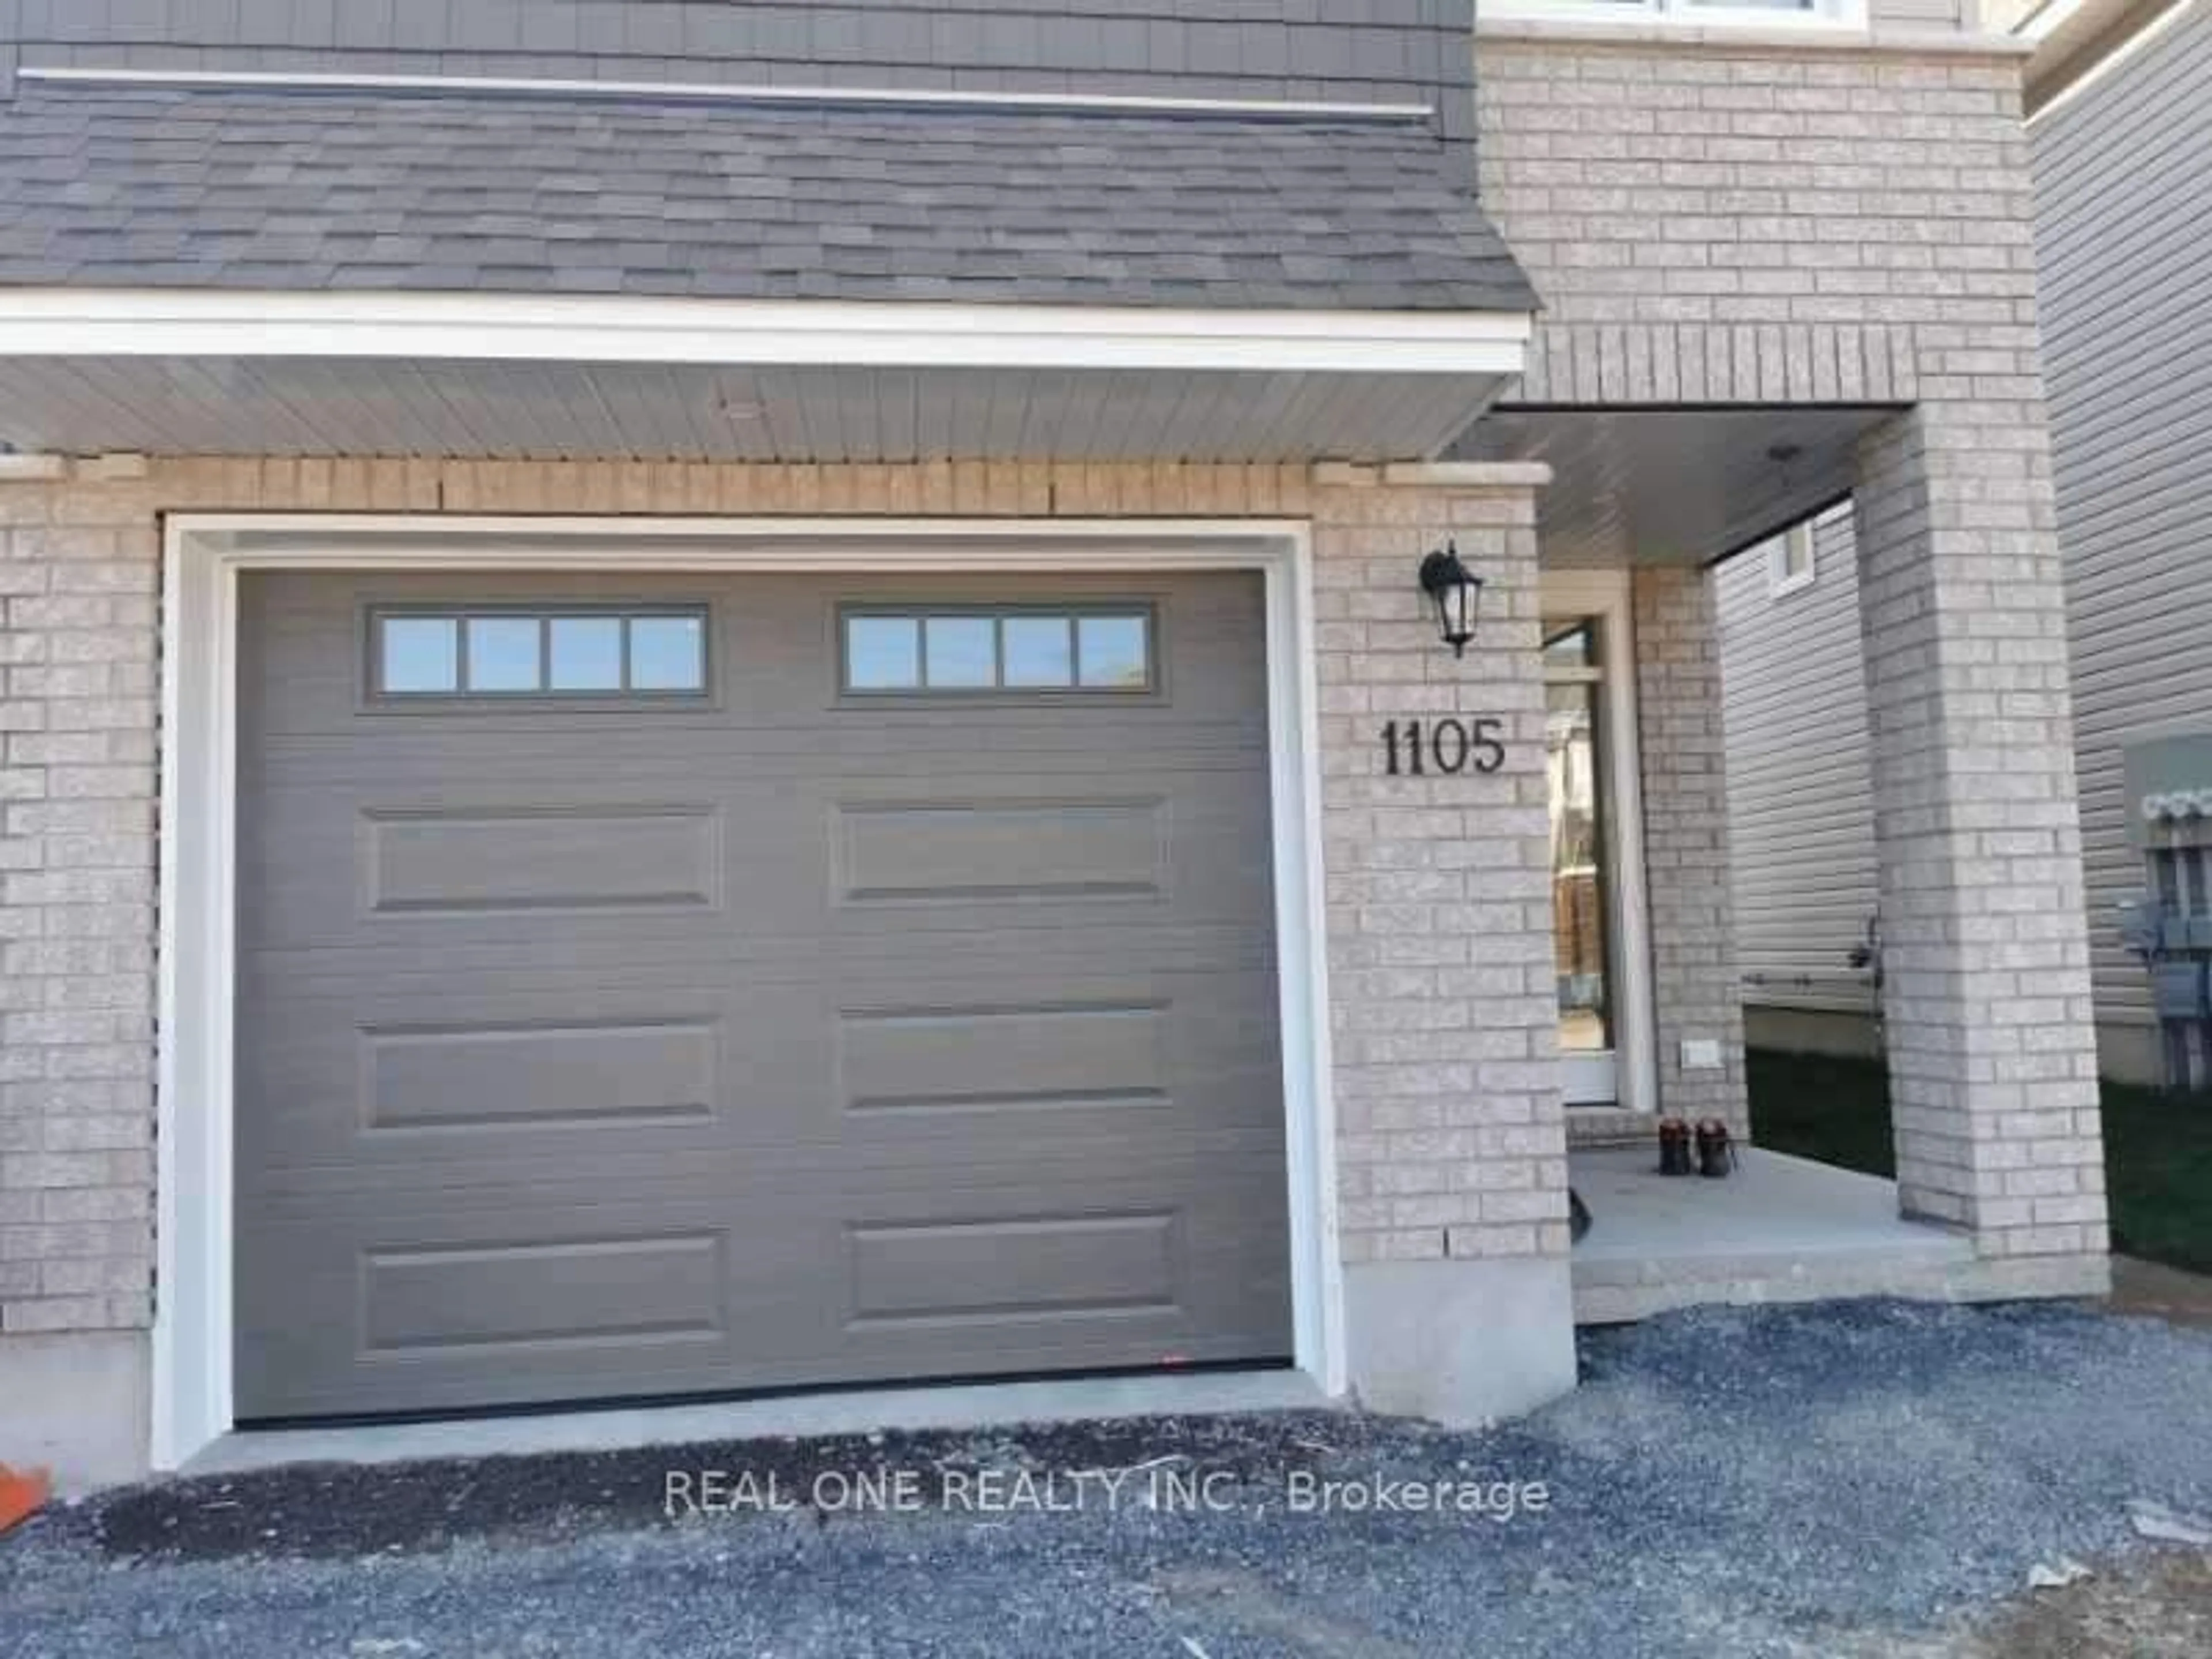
(1697, 989)
(1773, 225)
(1450, 1132)
(1446, 1022)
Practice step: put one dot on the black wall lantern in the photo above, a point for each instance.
(1456, 592)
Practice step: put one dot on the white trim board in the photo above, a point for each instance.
(1606, 596)
(192, 1400)
(137, 322)
(1284, 109)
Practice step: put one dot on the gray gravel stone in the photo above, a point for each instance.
(1726, 1482)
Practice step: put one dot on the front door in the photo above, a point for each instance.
(1575, 741)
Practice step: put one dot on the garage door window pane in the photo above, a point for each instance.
(419, 654)
(667, 653)
(586, 653)
(1040, 651)
(963, 653)
(1010, 648)
(503, 653)
(1114, 652)
(883, 653)
(518, 656)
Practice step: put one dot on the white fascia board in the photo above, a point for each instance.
(527, 328)
(727, 92)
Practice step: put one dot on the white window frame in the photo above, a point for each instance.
(191, 1397)
(1785, 574)
(1823, 16)
(1604, 597)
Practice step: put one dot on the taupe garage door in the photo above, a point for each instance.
(664, 984)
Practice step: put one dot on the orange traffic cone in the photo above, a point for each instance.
(22, 1496)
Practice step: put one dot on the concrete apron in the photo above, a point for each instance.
(1464, 1343)
(839, 1412)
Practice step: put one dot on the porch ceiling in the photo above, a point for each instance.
(1675, 486)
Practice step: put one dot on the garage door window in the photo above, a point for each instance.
(983, 651)
(511, 653)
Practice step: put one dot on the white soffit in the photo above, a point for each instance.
(182, 372)
(324, 406)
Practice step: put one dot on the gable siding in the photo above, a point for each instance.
(1800, 793)
(2124, 180)
(1352, 51)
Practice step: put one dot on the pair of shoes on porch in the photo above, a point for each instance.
(1714, 1150)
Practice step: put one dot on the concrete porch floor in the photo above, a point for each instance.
(1780, 1228)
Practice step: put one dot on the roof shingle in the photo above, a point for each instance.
(110, 186)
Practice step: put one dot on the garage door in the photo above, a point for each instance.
(660, 984)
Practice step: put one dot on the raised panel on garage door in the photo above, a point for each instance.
(606, 1045)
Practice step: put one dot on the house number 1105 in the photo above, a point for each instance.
(1449, 746)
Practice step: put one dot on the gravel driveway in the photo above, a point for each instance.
(1865, 1479)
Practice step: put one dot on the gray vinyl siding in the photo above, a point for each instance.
(2124, 180)
(1801, 798)
(1354, 50)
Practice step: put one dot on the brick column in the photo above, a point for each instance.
(78, 575)
(1451, 1145)
(1992, 1054)
(1697, 990)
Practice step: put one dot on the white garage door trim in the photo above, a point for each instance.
(191, 1403)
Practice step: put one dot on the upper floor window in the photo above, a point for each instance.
(1792, 561)
(1748, 14)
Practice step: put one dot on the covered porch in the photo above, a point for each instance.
(2000, 1181)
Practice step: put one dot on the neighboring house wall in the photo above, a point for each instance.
(1359, 51)
(2123, 182)
(1801, 798)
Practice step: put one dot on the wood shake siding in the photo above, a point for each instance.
(1349, 50)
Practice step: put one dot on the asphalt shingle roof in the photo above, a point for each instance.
(352, 190)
